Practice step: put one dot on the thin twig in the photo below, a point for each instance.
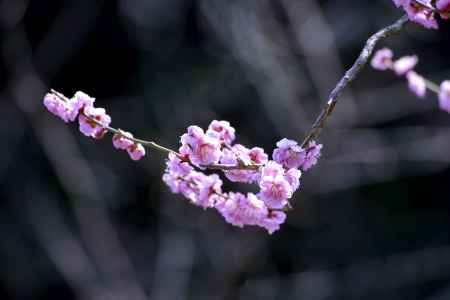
(151, 144)
(350, 75)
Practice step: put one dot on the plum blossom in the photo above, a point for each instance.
(382, 59)
(223, 130)
(239, 153)
(257, 155)
(97, 128)
(230, 157)
(416, 84)
(58, 107)
(209, 190)
(201, 149)
(176, 166)
(136, 151)
(275, 191)
(420, 13)
(122, 140)
(444, 7)
(292, 176)
(272, 168)
(184, 174)
(176, 170)
(313, 152)
(239, 210)
(444, 96)
(405, 64)
(272, 221)
(81, 100)
(289, 154)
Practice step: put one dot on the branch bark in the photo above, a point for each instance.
(350, 75)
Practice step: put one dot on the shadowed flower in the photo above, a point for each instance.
(272, 221)
(313, 152)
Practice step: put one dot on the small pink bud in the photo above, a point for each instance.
(136, 151)
(416, 84)
(405, 64)
(122, 140)
(382, 60)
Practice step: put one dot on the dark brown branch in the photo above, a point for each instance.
(350, 75)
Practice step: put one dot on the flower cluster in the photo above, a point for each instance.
(93, 121)
(404, 66)
(424, 11)
(213, 149)
(276, 179)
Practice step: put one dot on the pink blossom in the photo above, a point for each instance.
(272, 221)
(172, 181)
(201, 149)
(93, 129)
(122, 140)
(58, 107)
(257, 155)
(313, 152)
(176, 166)
(444, 7)
(193, 136)
(405, 64)
(209, 190)
(289, 153)
(416, 84)
(136, 151)
(81, 100)
(444, 96)
(272, 169)
(292, 176)
(230, 157)
(419, 13)
(175, 173)
(275, 191)
(239, 210)
(223, 130)
(200, 189)
(382, 60)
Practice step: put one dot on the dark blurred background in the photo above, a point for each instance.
(80, 220)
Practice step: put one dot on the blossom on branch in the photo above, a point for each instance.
(185, 171)
(416, 82)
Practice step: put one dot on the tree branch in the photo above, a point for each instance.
(350, 75)
(151, 144)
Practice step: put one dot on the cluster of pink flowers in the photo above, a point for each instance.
(276, 179)
(404, 66)
(424, 11)
(93, 121)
